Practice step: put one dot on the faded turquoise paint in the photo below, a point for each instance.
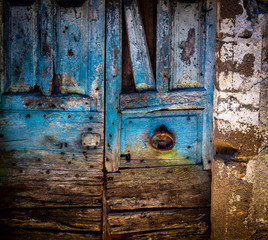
(56, 47)
(45, 57)
(21, 47)
(72, 50)
(184, 81)
(53, 86)
(113, 84)
(209, 76)
(48, 130)
(139, 52)
(95, 58)
(185, 126)
(162, 59)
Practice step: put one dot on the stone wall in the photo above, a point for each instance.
(239, 198)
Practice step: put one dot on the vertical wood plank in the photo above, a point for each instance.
(96, 53)
(21, 47)
(71, 50)
(185, 59)
(139, 52)
(162, 52)
(113, 84)
(2, 68)
(209, 76)
(45, 61)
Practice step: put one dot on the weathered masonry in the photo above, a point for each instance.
(106, 122)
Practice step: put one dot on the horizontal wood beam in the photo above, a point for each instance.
(152, 101)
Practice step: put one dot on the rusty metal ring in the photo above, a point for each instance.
(163, 146)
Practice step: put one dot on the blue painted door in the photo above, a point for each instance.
(166, 119)
(52, 116)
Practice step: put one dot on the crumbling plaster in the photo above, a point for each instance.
(240, 75)
(240, 168)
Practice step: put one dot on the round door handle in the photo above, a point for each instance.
(162, 142)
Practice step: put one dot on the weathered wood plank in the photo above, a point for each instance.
(63, 219)
(28, 194)
(38, 102)
(209, 76)
(2, 66)
(45, 57)
(163, 48)
(49, 130)
(21, 234)
(21, 55)
(42, 178)
(113, 84)
(139, 52)
(96, 54)
(147, 9)
(52, 160)
(157, 101)
(177, 234)
(72, 50)
(192, 221)
(186, 44)
(180, 186)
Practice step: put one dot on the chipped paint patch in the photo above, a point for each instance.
(188, 47)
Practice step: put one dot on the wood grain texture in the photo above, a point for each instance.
(2, 67)
(51, 186)
(46, 55)
(158, 101)
(71, 36)
(209, 76)
(63, 219)
(191, 220)
(31, 179)
(148, 16)
(113, 84)
(163, 46)
(21, 47)
(36, 101)
(139, 52)
(49, 130)
(177, 234)
(21, 234)
(96, 59)
(165, 187)
(56, 48)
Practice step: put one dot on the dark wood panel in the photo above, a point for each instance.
(190, 221)
(177, 234)
(21, 234)
(64, 219)
(49, 194)
(33, 160)
(47, 179)
(177, 186)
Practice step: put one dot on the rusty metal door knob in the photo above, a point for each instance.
(162, 142)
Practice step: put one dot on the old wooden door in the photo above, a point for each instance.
(160, 78)
(52, 119)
